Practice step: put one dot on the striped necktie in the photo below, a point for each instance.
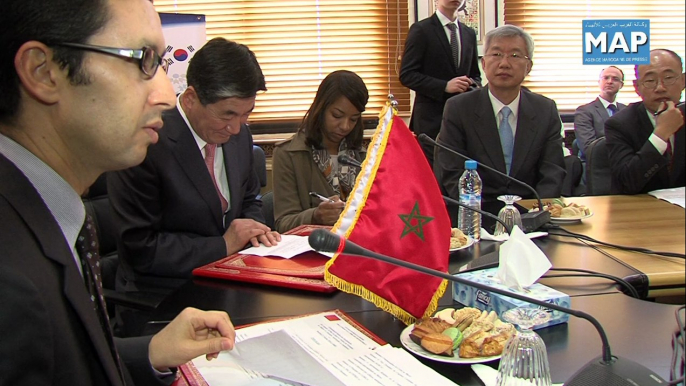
(454, 43)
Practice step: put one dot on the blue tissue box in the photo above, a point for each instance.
(488, 301)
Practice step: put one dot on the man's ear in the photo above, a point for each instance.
(37, 72)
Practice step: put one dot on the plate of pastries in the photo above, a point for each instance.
(459, 240)
(465, 336)
(561, 212)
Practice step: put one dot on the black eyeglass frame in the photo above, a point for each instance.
(127, 53)
(665, 81)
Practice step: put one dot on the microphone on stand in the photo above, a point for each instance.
(606, 369)
(531, 221)
(345, 160)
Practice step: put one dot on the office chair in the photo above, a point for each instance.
(598, 173)
(268, 209)
(259, 164)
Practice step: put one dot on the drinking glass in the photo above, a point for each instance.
(524, 360)
(508, 214)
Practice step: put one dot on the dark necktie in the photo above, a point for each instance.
(87, 248)
(611, 109)
(669, 154)
(454, 44)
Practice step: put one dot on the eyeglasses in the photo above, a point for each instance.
(651, 83)
(148, 60)
(499, 56)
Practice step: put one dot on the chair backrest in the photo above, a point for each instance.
(571, 185)
(268, 209)
(598, 173)
(259, 164)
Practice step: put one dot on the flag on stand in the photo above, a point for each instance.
(395, 209)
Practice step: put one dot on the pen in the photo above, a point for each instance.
(320, 197)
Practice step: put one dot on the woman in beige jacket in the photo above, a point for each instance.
(307, 162)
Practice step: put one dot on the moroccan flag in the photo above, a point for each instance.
(395, 209)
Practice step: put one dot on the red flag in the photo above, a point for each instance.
(395, 209)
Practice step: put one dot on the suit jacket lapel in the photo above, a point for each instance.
(601, 110)
(191, 160)
(526, 131)
(440, 36)
(33, 210)
(488, 130)
(230, 149)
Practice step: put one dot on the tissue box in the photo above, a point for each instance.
(488, 301)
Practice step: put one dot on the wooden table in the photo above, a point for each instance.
(638, 221)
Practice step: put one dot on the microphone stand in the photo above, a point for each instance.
(533, 220)
(610, 370)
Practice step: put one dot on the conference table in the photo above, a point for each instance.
(637, 329)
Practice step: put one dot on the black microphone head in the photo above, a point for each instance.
(424, 137)
(322, 240)
(345, 160)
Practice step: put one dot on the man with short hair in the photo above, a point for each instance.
(436, 66)
(589, 119)
(194, 199)
(646, 141)
(72, 107)
(503, 126)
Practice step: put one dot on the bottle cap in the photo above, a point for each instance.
(470, 164)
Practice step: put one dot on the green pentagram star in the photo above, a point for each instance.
(415, 226)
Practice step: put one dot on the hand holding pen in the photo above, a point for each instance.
(328, 210)
(668, 119)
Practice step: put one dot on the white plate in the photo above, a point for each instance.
(470, 241)
(567, 220)
(418, 350)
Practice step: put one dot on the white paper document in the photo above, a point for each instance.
(289, 246)
(676, 196)
(315, 350)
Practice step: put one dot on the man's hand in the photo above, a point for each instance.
(669, 121)
(244, 230)
(458, 84)
(327, 212)
(191, 334)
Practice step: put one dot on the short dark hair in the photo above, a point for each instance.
(335, 85)
(669, 52)
(49, 22)
(224, 69)
(616, 68)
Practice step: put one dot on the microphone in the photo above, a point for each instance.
(345, 160)
(531, 221)
(603, 370)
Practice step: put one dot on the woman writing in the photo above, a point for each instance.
(308, 162)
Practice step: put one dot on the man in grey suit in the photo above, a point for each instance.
(193, 200)
(72, 107)
(503, 126)
(589, 119)
(430, 68)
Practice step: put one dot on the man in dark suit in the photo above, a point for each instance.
(512, 130)
(433, 72)
(71, 109)
(645, 141)
(589, 119)
(172, 214)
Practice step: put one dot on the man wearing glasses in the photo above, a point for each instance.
(193, 200)
(589, 119)
(503, 126)
(71, 108)
(645, 141)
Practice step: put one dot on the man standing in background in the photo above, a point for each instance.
(589, 119)
(440, 61)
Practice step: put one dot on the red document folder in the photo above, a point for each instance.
(304, 271)
(188, 374)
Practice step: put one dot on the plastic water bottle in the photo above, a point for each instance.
(469, 221)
